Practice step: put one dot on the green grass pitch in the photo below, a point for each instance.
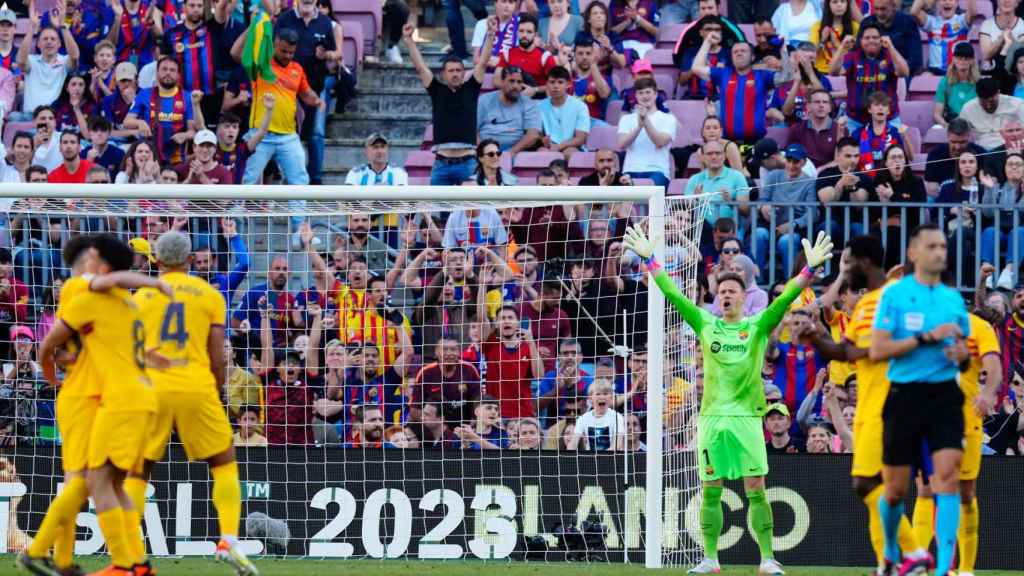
(208, 567)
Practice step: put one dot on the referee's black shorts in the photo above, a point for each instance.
(921, 414)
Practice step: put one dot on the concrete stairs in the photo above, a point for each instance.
(391, 100)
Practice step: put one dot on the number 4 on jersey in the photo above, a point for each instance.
(172, 329)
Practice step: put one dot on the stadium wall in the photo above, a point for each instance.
(395, 503)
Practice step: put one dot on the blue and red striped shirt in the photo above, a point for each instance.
(136, 41)
(742, 101)
(194, 51)
(698, 89)
(10, 61)
(865, 75)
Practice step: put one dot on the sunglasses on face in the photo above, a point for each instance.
(492, 154)
(730, 251)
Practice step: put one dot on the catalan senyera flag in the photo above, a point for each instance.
(259, 48)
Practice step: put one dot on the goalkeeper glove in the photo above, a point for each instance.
(637, 241)
(820, 252)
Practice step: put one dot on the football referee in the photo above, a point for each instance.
(919, 327)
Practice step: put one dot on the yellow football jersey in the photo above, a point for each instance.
(179, 329)
(79, 377)
(838, 371)
(112, 336)
(981, 342)
(872, 379)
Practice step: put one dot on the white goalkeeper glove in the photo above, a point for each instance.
(820, 253)
(637, 241)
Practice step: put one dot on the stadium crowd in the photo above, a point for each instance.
(491, 329)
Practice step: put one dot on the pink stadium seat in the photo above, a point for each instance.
(365, 13)
(581, 164)
(622, 78)
(780, 134)
(352, 45)
(603, 137)
(428, 137)
(936, 135)
(689, 114)
(487, 85)
(923, 87)
(418, 163)
(526, 180)
(748, 31)
(506, 162)
(12, 128)
(838, 86)
(668, 35)
(530, 164)
(914, 140)
(984, 10)
(614, 112)
(917, 114)
(643, 182)
(667, 83)
(676, 187)
(662, 62)
(419, 181)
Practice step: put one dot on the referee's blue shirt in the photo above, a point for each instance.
(909, 308)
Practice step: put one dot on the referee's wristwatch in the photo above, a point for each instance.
(922, 338)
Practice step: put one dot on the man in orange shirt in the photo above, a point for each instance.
(74, 168)
(281, 143)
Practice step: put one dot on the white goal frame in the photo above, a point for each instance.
(350, 196)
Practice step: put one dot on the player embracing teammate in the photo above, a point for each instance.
(730, 434)
(114, 421)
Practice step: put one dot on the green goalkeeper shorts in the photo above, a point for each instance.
(730, 447)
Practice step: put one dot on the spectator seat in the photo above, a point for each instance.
(428, 137)
(677, 186)
(668, 35)
(366, 13)
(581, 164)
(418, 163)
(614, 112)
(917, 114)
(923, 87)
(603, 137)
(12, 128)
(690, 115)
(352, 45)
(530, 164)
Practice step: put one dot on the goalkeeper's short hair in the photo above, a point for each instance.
(731, 277)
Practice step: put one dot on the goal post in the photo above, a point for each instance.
(456, 498)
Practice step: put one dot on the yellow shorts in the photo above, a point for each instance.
(970, 465)
(75, 415)
(867, 448)
(118, 437)
(199, 418)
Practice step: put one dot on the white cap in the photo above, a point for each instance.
(205, 137)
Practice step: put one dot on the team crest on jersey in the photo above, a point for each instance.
(179, 47)
(743, 334)
(372, 392)
(709, 470)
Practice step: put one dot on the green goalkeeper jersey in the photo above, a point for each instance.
(733, 352)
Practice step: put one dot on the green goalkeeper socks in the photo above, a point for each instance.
(711, 519)
(760, 518)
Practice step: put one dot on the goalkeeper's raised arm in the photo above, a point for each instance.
(730, 296)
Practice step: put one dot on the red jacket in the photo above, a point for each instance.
(14, 304)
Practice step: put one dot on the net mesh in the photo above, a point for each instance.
(406, 379)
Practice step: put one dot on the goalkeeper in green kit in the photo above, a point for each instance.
(730, 437)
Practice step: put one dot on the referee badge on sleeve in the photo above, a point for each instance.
(913, 321)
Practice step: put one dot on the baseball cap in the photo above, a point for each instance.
(141, 246)
(764, 149)
(642, 65)
(374, 138)
(777, 407)
(125, 71)
(963, 50)
(204, 137)
(8, 15)
(795, 151)
(22, 331)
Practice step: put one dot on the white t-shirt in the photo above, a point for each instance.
(43, 81)
(642, 155)
(601, 431)
(794, 28)
(990, 29)
(506, 38)
(48, 156)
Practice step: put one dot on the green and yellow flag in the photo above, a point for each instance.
(259, 48)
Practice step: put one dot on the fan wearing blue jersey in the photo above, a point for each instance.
(742, 91)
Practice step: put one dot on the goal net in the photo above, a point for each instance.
(430, 373)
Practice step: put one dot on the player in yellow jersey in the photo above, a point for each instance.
(112, 338)
(865, 257)
(186, 332)
(983, 346)
(77, 402)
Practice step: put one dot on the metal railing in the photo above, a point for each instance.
(967, 229)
